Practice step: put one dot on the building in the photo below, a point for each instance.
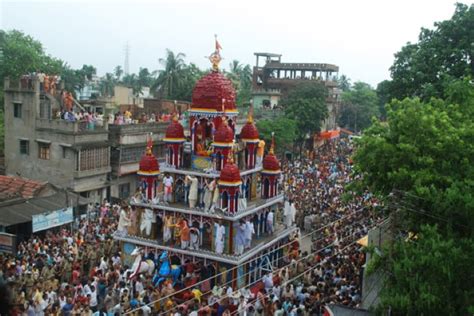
(39, 146)
(127, 147)
(272, 79)
(92, 160)
(29, 206)
(210, 191)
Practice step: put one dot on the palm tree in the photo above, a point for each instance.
(169, 79)
(107, 84)
(344, 83)
(241, 77)
(118, 71)
(132, 81)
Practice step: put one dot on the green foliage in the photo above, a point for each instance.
(383, 95)
(441, 55)
(177, 79)
(344, 83)
(241, 77)
(306, 105)
(21, 54)
(359, 106)
(284, 129)
(428, 274)
(424, 153)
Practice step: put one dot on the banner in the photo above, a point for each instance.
(52, 219)
(7, 243)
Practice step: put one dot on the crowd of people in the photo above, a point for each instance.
(79, 270)
(48, 83)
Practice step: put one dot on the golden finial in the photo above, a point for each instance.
(250, 115)
(149, 145)
(272, 147)
(215, 58)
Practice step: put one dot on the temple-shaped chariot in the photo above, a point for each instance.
(217, 198)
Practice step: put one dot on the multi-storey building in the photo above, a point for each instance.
(273, 79)
(127, 147)
(93, 160)
(38, 146)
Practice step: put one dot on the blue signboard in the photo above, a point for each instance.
(52, 219)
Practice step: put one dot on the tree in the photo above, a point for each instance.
(88, 71)
(241, 77)
(118, 72)
(21, 54)
(424, 154)
(359, 105)
(107, 85)
(383, 95)
(306, 105)
(344, 83)
(445, 53)
(189, 75)
(428, 274)
(168, 80)
(284, 129)
(145, 78)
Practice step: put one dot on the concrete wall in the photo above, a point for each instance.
(132, 179)
(61, 167)
(372, 284)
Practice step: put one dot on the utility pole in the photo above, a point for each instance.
(126, 66)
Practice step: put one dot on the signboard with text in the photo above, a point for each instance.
(7, 243)
(52, 219)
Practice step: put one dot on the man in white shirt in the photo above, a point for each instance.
(168, 183)
(270, 217)
(93, 298)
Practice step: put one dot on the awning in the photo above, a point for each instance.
(328, 134)
(21, 211)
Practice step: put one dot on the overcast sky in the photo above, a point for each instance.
(360, 37)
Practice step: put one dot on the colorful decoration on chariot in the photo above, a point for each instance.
(148, 165)
(249, 132)
(174, 132)
(214, 94)
(224, 136)
(270, 164)
(166, 270)
(230, 174)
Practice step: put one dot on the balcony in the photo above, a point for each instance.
(141, 128)
(262, 242)
(24, 84)
(62, 126)
(92, 172)
(252, 206)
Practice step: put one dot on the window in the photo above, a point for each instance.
(17, 110)
(93, 158)
(64, 153)
(24, 147)
(133, 154)
(43, 151)
(124, 190)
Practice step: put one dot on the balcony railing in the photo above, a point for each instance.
(91, 172)
(155, 127)
(24, 84)
(71, 127)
